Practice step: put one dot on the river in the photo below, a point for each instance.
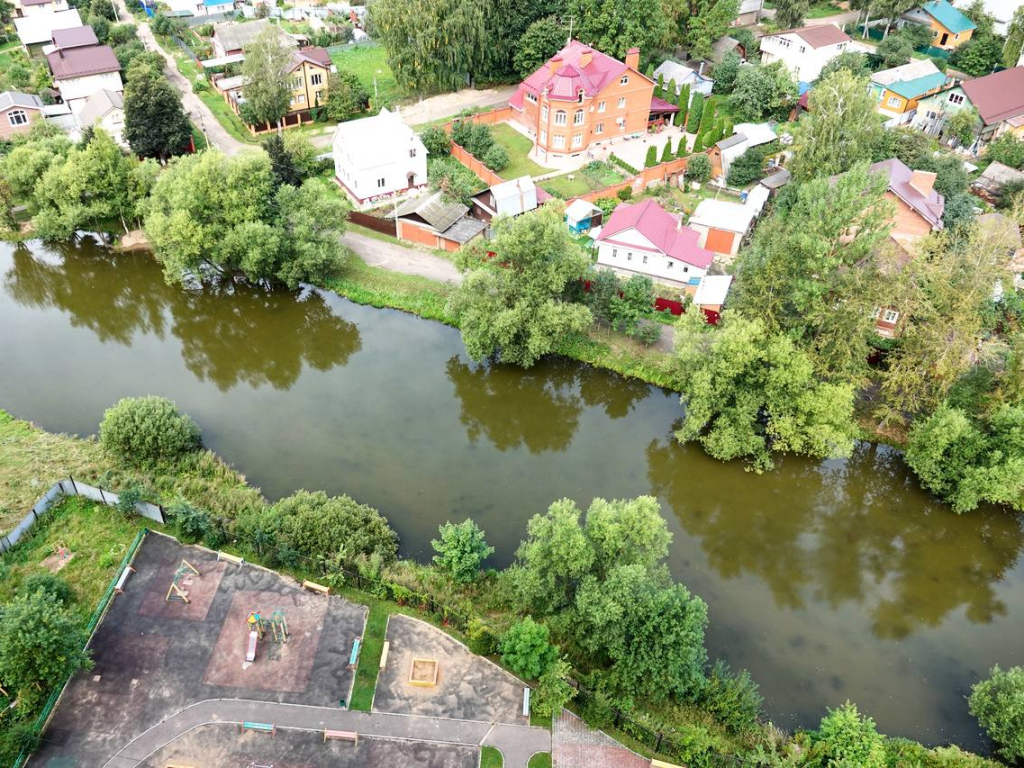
(828, 580)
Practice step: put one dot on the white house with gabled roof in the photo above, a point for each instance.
(378, 157)
(804, 51)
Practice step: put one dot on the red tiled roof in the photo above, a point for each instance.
(999, 96)
(81, 62)
(662, 229)
(818, 36)
(569, 77)
(899, 175)
(318, 56)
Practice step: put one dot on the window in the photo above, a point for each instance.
(579, 97)
(316, 79)
(544, 113)
(686, 269)
(302, 98)
(622, 103)
(624, 80)
(412, 152)
(296, 82)
(784, 42)
(543, 137)
(560, 117)
(671, 263)
(615, 252)
(803, 49)
(956, 98)
(599, 129)
(577, 139)
(531, 98)
(890, 316)
(559, 142)
(894, 101)
(930, 115)
(380, 183)
(319, 96)
(17, 117)
(645, 258)
(577, 119)
(601, 106)
(629, 256)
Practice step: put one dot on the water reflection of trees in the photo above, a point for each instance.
(538, 408)
(114, 297)
(844, 532)
(228, 333)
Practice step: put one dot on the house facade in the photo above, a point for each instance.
(104, 109)
(18, 111)
(78, 73)
(999, 99)
(806, 50)
(644, 239)
(430, 221)
(950, 28)
(722, 225)
(29, 8)
(310, 70)
(378, 157)
(582, 97)
(900, 90)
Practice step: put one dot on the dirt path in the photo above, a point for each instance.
(399, 258)
(448, 104)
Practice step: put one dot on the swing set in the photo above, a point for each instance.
(177, 591)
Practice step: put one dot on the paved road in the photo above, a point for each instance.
(196, 109)
(839, 19)
(399, 258)
(516, 742)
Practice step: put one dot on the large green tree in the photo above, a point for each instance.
(762, 91)
(841, 129)
(749, 393)
(542, 39)
(511, 307)
(155, 124)
(700, 23)
(1014, 45)
(998, 703)
(461, 550)
(615, 26)
(790, 14)
(346, 96)
(266, 80)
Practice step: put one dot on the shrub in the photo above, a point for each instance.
(733, 698)
(851, 739)
(128, 498)
(553, 688)
(460, 550)
(315, 524)
(613, 158)
(998, 703)
(51, 585)
(495, 158)
(437, 141)
(142, 430)
(652, 157)
(646, 332)
(607, 205)
(699, 168)
(193, 524)
(482, 639)
(527, 650)
(666, 152)
(625, 193)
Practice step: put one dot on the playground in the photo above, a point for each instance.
(179, 633)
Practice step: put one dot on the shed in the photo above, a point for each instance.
(712, 292)
(435, 223)
(581, 215)
(722, 225)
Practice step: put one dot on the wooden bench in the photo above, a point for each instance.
(228, 557)
(526, 702)
(353, 659)
(312, 586)
(119, 587)
(341, 736)
(270, 728)
(384, 654)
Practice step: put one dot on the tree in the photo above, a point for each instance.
(855, 62)
(747, 168)
(840, 130)
(698, 168)
(461, 550)
(979, 56)
(265, 77)
(346, 96)
(683, 102)
(146, 430)
(814, 270)
(432, 45)
(303, 154)
(998, 703)
(696, 114)
(41, 644)
(726, 73)
(626, 532)
(155, 124)
(511, 307)
(963, 125)
(615, 26)
(437, 141)
(652, 157)
(526, 649)
(851, 739)
(555, 557)
(702, 22)
(894, 51)
(790, 14)
(8, 219)
(1014, 45)
(311, 222)
(666, 151)
(51, 584)
(762, 91)
(281, 164)
(1006, 149)
(553, 689)
(495, 158)
(542, 40)
(748, 393)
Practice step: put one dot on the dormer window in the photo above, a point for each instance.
(624, 80)
(579, 97)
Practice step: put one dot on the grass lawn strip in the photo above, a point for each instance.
(490, 757)
(369, 63)
(518, 148)
(369, 655)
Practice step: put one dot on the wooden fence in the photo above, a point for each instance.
(377, 224)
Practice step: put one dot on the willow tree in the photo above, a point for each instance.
(432, 45)
(265, 75)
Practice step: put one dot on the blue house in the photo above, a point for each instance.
(580, 216)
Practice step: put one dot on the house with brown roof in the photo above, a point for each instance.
(17, 112)
(999, 99)
(78, 73)
(28, 8)
(804, 51)
(581, 97)
(919, 207)
(75, 37)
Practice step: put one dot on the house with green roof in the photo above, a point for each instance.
(900, 89)
(950, 27)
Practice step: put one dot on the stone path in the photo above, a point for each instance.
(517, 743)
(400, 258)
(574, 744)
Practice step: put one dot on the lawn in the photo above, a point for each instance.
(9, 53)
(590, 178)
(518, 148)
(369, 656)
(491, 758)
(819, 10)
(540, 760)
(369, 62)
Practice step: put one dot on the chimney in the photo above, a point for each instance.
(586, 56)
(555, 64)
(633, 59)
(923, 181)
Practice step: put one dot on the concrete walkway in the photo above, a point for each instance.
(517, 743)
(399, 258)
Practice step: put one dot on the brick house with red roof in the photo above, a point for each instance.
(645, 239)
(582, 97)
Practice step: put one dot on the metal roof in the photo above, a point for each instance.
(433, 210)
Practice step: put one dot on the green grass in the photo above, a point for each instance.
(590, 178)
(822, 10)
(11, 53)
(490, 757)
(518, 148)
(369, 657)
(368, 62)
(364, 284)
(540, 760)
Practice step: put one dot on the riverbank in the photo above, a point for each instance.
(32, 458)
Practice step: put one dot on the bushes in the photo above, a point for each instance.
(625, 193)
(144, 430)
(848, 738)
(461, 550)
(613, 158)
(733, 698)
(998, 703)
(652, 157)
(314, 524)
(495, 158)
(437, 141)
(193, 524)
(527, 650)
(698, 168)
(52, 585)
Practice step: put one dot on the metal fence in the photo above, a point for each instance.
(94, 620)
(72, 487)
